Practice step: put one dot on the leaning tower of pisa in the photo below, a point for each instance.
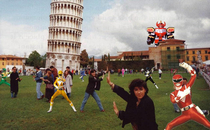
(63, 47)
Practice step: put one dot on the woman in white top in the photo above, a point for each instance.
(68, 83)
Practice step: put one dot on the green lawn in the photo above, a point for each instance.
(25, 112)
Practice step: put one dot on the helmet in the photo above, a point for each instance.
(60, 73)
(178, 81)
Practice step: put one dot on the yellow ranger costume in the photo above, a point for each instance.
(60, 91)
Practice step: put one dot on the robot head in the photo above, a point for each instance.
(60, 73)
(160, 25)
(178, 81)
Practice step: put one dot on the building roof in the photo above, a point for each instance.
(171, 42)
(11, 56)
(197, 48)
(133, 53)
(96, 60)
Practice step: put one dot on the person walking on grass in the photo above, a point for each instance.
(14, 79)
(38, 79)
(94, 82)
(82, 73)
(160, 73)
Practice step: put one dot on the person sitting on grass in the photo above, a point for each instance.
(140, 110)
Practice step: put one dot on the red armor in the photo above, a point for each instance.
(159, 34)
(189, 111)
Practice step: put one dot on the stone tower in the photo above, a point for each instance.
(63, 48)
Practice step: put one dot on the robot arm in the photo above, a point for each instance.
(151, 37)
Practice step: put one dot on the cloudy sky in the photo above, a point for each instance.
(108, 26)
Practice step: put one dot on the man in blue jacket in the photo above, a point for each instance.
(38, 80)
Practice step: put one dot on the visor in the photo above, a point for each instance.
(177, 80)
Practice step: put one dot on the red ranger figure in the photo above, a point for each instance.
(160, 33)
(182, 97)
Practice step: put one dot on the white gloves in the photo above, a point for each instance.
(188, 68)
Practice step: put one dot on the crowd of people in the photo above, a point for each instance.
(140, 109)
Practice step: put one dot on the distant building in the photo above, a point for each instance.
(192, 54)
(9, 61)
(166, 55)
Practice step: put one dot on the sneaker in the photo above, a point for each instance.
(102, 110)
(81, 111)
(156, 86)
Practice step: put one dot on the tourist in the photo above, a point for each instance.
(160, 73)
(38, 80)
(82, 73)
(68, 83)
(94, 82)
(48, 79)
(55, 75)
(140, 110)
(68, 69)
(123, 72)
(14, 78)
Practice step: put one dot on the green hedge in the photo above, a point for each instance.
(135, 65)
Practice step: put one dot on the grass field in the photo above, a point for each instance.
(25, 112)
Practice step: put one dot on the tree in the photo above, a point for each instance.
(34, 59)
(84, 58)
(108, 57)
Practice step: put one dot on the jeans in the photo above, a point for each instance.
(175, 106)
(38, 90)
(95, 96)
(13, 96)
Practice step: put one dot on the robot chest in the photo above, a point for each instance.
(160, 32)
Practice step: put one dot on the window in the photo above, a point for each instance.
(2, 63)
(206, 58)
(178, 56)
(7, 63)
(187, 52)
(206, 51)
(12, 63)
(2, 58)
(16, 63)
(168, 48)
(188, 58)
(177, 48)
(200, 52)
(193, 52)
(12, 59)
(169, 56)
(193, 58)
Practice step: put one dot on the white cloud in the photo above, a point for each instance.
(123, 26)
(20, 39)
